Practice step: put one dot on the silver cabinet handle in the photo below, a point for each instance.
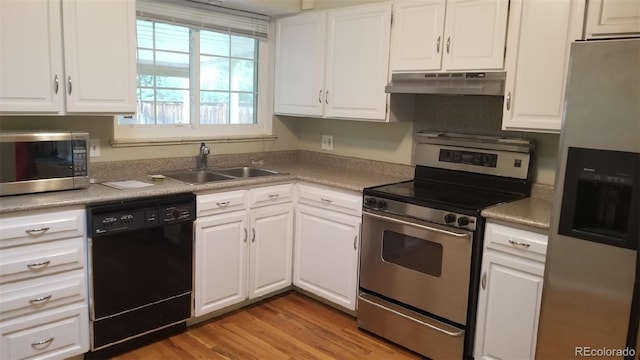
(274, 196)
(448, 44)
(37, 231)
(519, 244)
(223, 204)
(38, 265)
(326, 201)
(355, 242)
(43, 342)
(484, 281)
(70, 84)
(326, 97)
(40, 299)
(253, 237)
(56, 84)
(245, 235)
(438, 45)
(320, 96)
(509, 101)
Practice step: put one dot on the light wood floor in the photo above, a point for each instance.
(290, 326)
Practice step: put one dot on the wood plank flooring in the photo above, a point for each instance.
(290, 326)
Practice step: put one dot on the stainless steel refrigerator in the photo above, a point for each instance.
(591, 294)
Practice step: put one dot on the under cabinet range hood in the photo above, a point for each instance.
(469, 83)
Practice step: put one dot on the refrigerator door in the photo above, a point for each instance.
(588, 289)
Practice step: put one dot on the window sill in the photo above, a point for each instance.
(117, 143)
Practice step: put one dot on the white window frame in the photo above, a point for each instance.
(140, 134)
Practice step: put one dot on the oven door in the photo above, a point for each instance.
(417, 263)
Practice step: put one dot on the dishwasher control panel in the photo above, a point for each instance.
(138, 214)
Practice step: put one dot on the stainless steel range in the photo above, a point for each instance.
(422, 240)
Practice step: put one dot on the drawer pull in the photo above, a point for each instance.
(40, 344)
(274, 196)
(39, 265)
(39, 300)
(519, 244)
(326, 201)
(223, 204)
(37, 231)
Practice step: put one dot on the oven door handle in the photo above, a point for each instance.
(398, 221)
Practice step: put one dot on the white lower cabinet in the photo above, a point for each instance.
(44, 310)
(244, 252)
(327, 240)
(510, 293)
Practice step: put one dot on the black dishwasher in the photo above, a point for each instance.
(141, 266)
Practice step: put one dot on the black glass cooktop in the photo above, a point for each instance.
(441, 196)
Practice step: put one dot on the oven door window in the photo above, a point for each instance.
(412, 253)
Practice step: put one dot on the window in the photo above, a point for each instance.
(196, 83)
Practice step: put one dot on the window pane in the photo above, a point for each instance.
(172, 64)
(243, 47)
(214, 107)
(214, 73)
(172, 107)
(242, 106)
(172, 37)
(144, 34)
(213, 43)
(242, 75)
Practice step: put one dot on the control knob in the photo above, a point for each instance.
(371, 202)
(450, 218)
(382, 204)
(463, 221)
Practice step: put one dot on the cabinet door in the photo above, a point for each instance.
(271, 249)
(508, 307)
(300, 58)
(535, 85)
(100, 55)
(31, 75)
(358, 62)
(220, 261)
(612, 18)
(475, 34)
(416, 35)
(326, 254)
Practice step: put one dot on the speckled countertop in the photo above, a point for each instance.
(533, 212)
(347, 174)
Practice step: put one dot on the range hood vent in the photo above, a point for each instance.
(469, 83)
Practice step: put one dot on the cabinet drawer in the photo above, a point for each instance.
(56, 334)
(41, 259)
(270, 195)
(516, 241)
(40, 226)
(330, 199)
(24, 297)
(217, 203)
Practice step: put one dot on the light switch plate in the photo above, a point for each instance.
(327, 142)
(94, 147)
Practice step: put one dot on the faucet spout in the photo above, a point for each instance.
(202, 159)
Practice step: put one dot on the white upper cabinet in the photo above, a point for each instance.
(470, 37)
(612, 18)
(299, 74)
(537, 62)
(72, 56)
(334, 64)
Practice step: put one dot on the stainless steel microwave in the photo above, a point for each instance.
(32, 162)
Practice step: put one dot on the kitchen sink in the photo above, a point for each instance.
(198, 176)
(246, 172)
(201, 176)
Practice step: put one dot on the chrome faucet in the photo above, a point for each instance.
(202, 159)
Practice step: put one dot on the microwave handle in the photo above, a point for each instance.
(398, 221)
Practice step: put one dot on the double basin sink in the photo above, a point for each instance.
(202, 176)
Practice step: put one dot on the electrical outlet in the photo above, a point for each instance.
(94, 147)
(327, 142)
